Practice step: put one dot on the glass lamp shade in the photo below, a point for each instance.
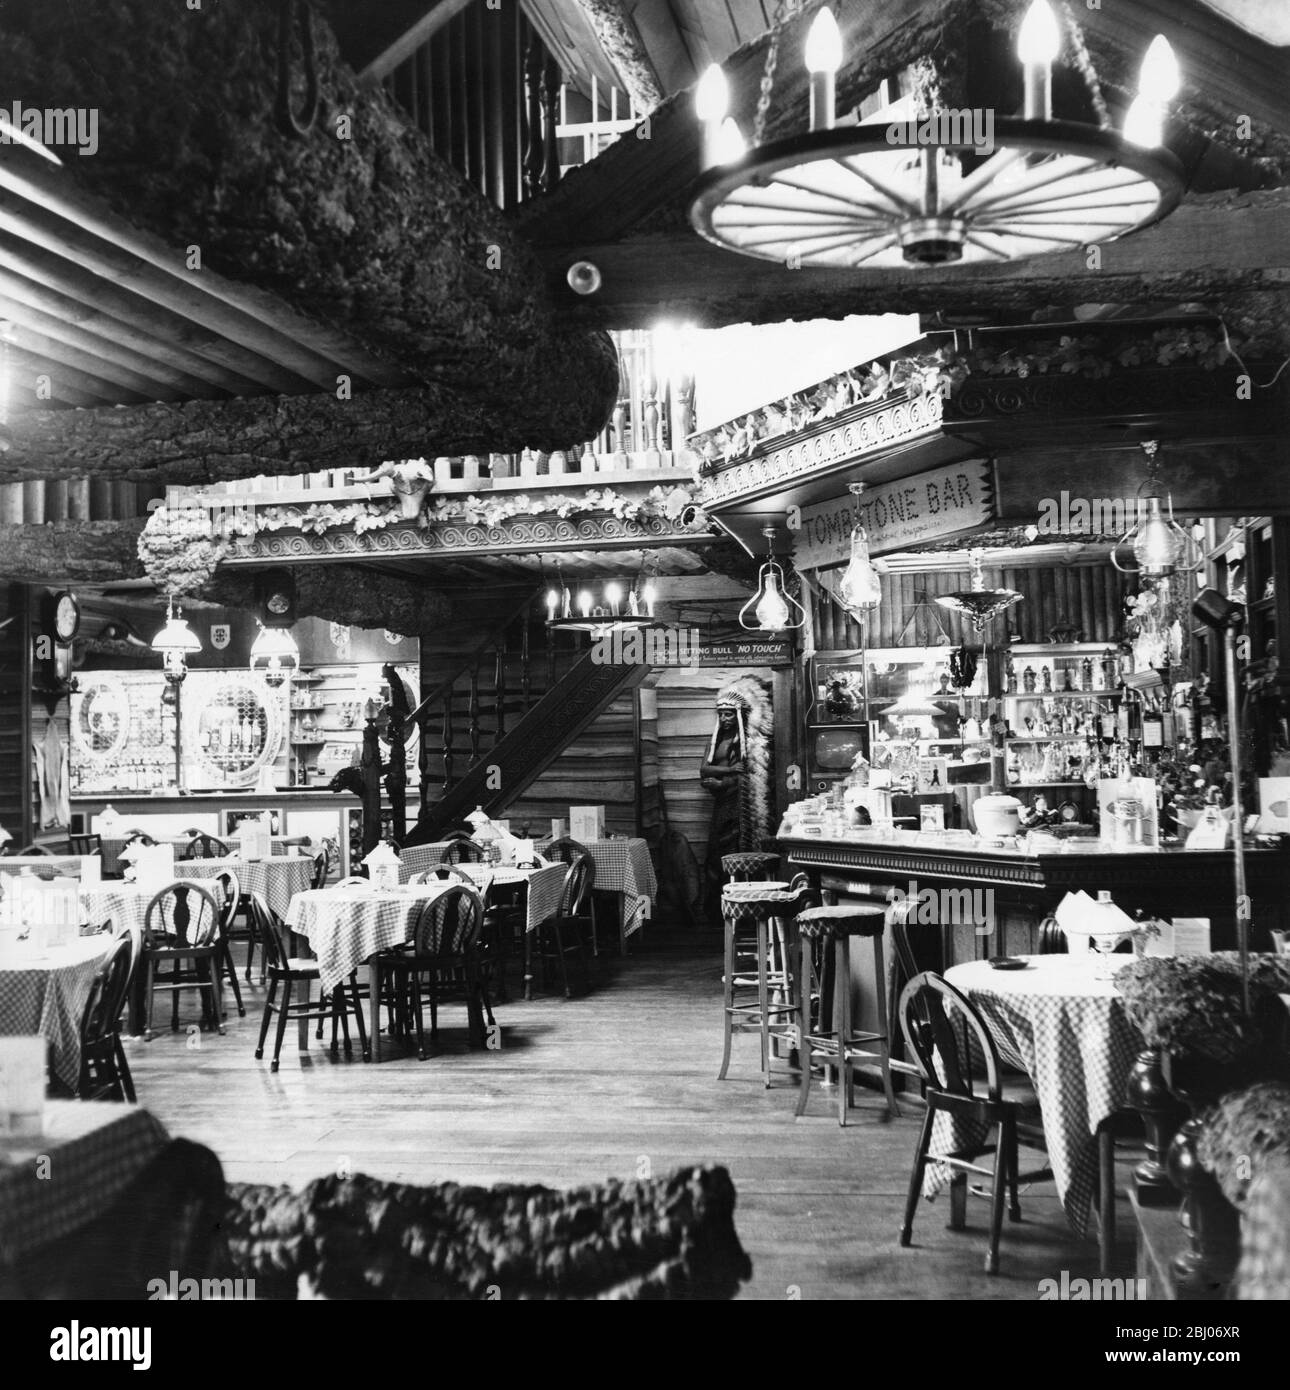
(176, 636)
(980, 605)
(771, 609)
(274, 654)
(1159, 543)
(860, 589)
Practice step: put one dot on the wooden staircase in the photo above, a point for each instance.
(504, 715)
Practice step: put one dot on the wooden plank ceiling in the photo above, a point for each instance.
(100, 313)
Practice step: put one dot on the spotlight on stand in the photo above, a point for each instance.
(1218, 612)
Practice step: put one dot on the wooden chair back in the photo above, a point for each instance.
(579, 880)
(564, 851)
(271, 931)
(449, 925)
(182, 916)
(203, 846)
(462, 852)
(929, 1008)
(85, 844)
(227, 880)
(101, 1017)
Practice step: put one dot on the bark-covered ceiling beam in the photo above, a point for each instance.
(347, 594)
(621, 41)
(356, 224)
(85, 553)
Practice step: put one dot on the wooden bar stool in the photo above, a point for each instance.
(837, 1045)
(747, 915)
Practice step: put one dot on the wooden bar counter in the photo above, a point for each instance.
(1026, 887)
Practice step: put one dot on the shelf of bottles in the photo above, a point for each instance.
(122, 734)
(328, 714)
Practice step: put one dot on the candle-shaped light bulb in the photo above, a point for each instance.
(1158, 78)
(650, 594)
(1144, 123)
(566, 602)
(633, 604)
(823, 59)
(711, 102)
(729, 144)
(772, 611)
(613, 597)
(1038, 44)
(584, 602)
(552, 604)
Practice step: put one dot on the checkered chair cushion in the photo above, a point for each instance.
(821, 923)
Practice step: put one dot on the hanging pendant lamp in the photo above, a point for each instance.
(772, 608)
(978, 603)
(860, 588)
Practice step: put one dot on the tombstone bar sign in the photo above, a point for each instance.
(897, 515)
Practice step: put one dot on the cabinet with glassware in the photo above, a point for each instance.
(329, 709)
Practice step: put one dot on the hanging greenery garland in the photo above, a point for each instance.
(180, 550)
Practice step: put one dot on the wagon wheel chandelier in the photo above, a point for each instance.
(948, 188)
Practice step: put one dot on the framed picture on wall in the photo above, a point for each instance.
(232, 821)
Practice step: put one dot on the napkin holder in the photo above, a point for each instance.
(22, 1085)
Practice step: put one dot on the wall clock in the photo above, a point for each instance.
(67, 616)
(277, 592)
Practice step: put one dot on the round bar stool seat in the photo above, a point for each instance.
(747, 912)
(750, 865)
(838, 1045)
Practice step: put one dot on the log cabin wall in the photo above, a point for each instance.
(1089, 596)
(74, 499)
(15, 713)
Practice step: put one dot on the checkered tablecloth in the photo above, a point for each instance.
(44, 991)
(93, 1153)
(125, 905)
(417, 859)
(624, 867)
(345, 926)
(541, 887)
(276, 880)
(1065, 1024)
(42, 865)
(111, 849)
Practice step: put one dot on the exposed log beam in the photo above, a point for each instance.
(206, 441)
(1216, 246)
(621, 41)
(348, 594)
(353, 242)
(71, 552)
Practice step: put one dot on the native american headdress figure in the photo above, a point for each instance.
(749, 697)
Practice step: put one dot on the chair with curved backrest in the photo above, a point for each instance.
(288, 971)
(230, 904)
(85, 844)
(105, 1073)
(569, 919)
(138, 837)
(446, 959)
(1050, 939)
(565, 851)
(462, 851)
(353, 881)
(325, 860)
(182, 927)
(955, 1087)
(203, 846)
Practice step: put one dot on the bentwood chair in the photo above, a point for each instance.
(203, 846)
(181, 927)
(232, 903)
(462, 852)
(105, 1073)
(566, 851)
(931, 1012)
(441, 959)
(324, 862)
(287, 972)
(561, 934)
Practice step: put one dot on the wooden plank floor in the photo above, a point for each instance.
(621, 1082)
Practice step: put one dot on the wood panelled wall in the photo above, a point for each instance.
(1089, 596)
(464, 89)
(599, 769)
(74, 499)
(15, 720)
